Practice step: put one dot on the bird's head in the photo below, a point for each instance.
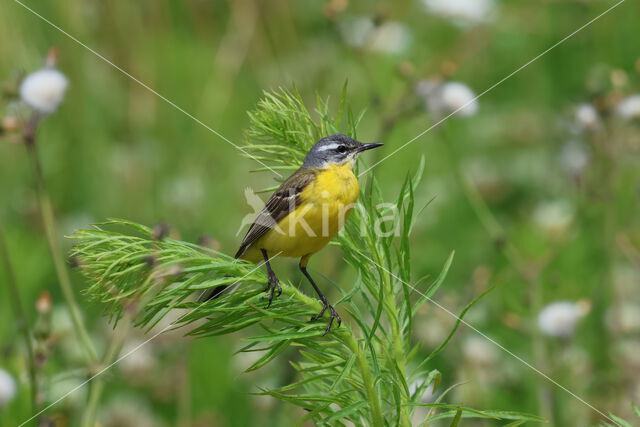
(335, 150)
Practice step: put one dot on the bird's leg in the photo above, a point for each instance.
(274, 282)
(325, 304)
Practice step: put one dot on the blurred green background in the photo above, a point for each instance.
(538, 191)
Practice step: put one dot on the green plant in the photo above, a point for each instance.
(365, 371)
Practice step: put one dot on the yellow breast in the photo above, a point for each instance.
(325, 206)
(335, 185)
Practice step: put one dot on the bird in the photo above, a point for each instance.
(306, 212)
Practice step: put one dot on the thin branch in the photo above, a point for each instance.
(51, 232)
(22, 320)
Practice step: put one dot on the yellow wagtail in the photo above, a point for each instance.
(307, 211)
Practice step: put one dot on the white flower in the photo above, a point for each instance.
(8, 387)
(356, 31)
(479, 351)
(574, 158)
(559, 319)
(462, 12)
(554, 217)
(43, 90)
(389, 37)
(586, 116)
(625, 318)
(137, 359)
(442, 99)
(629, 108)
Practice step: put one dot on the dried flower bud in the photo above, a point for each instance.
(334, 7)
(619, 77)
(160, 231)
(208, 242)
(406, 69)
(10, 124)
(151, 260)
(448, 68)
(43, 303)
(512, 320)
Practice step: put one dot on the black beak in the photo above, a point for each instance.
(365, 147)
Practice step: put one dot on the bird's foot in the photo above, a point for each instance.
(273, 285)
(333, 314)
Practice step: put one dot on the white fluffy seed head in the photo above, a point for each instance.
(458, 96)
(44, 90)
(554, 217)
(574, 158)
(559, 319)
(8, 387)
(357, 30)
(624, 318)
(479, 351)
(586, 116)
(629, 108)
(442, 99)
(389, 37)
(462, 13)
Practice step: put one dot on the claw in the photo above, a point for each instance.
(270, 298)
(319, 315)
(272, 285)
(333, 315)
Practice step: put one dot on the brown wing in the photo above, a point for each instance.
(284, 201)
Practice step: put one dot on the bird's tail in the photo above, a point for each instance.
(214, 293)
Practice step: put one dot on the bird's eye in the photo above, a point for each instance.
(341, 149)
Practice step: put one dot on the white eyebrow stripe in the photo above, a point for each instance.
(329, 147)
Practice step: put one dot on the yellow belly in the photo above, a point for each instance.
(326, 205)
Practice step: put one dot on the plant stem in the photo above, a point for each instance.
(399, 352)
(377, 418)
(48, 220)
(511, 253)
(184, 395)
(115, 345)
(22, 319)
